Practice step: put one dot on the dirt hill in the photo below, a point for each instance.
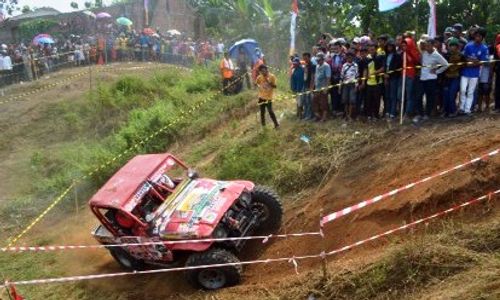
(340, 167)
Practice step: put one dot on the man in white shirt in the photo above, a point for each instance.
(219, 49)
(433, 64)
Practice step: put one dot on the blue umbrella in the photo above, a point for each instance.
(248, 46)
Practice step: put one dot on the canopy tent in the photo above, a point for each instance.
(249, 46)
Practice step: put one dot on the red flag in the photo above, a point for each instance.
(13, 293)
(295, 6)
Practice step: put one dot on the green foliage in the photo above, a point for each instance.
(31, 28)
(255, 160)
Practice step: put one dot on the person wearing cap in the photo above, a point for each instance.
(374, 82)
(382, 41)
(452, 77)
(266, 82)
(392, 76)
(475, 52)
(448, 33)
(349, 77)
(433, 64)
(297, 85)
(227, 72)
(458, 34)
(321, 82)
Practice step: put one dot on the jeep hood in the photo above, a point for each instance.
(196, 207)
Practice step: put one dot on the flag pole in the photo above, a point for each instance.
(403, 89)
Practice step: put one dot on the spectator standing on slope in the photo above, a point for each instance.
(227, 72)
(266, 83)
(433, 64)
(475, 52)
(297, 85)
(349, 78)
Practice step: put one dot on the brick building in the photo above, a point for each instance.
(165, 14)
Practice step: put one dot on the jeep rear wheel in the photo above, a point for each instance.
(266, 202)
(216, 277)
(127, 261)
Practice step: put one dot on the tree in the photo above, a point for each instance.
(25, 9)
(10, 6)
(88, 4)
(74, 5)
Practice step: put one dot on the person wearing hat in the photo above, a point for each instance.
(297, 85)
(475, 53)
(458, 34)
(322, 79)
(266, 82)
(226, 67)
(452, 77)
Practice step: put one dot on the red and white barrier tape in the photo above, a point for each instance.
(348, 210)
(264, 238)
(293, 260)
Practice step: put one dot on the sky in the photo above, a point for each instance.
(60, 5)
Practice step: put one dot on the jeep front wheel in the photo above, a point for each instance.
(127, 261)
(216, 277)
(266, 202)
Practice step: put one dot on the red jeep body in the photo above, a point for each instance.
(191, 210)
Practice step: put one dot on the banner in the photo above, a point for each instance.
(385, 5)
(431, 29)
(293, 25)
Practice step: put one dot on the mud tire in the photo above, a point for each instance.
(217, 277)
(127, 261)
(268, 200)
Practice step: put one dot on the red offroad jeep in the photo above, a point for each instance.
(156, 198)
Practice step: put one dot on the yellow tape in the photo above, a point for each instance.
(182, 115)
(46, 211)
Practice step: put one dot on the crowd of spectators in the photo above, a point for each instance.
(447, 76)
(27, 61)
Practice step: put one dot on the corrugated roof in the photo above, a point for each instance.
(40, 12)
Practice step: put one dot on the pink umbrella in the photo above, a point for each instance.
(103, 15)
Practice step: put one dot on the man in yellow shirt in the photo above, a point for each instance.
(266, 82)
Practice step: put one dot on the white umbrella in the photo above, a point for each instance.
(174, 32)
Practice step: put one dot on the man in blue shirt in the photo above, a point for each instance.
(297, 85)
(475, 52)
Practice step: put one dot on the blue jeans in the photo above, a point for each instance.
(394, 93)
(410, 86)
(307, 105)
(450, 95)
(429, 88)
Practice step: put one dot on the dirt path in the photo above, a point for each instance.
(400, 158)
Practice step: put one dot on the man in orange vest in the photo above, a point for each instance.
(227, 72)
